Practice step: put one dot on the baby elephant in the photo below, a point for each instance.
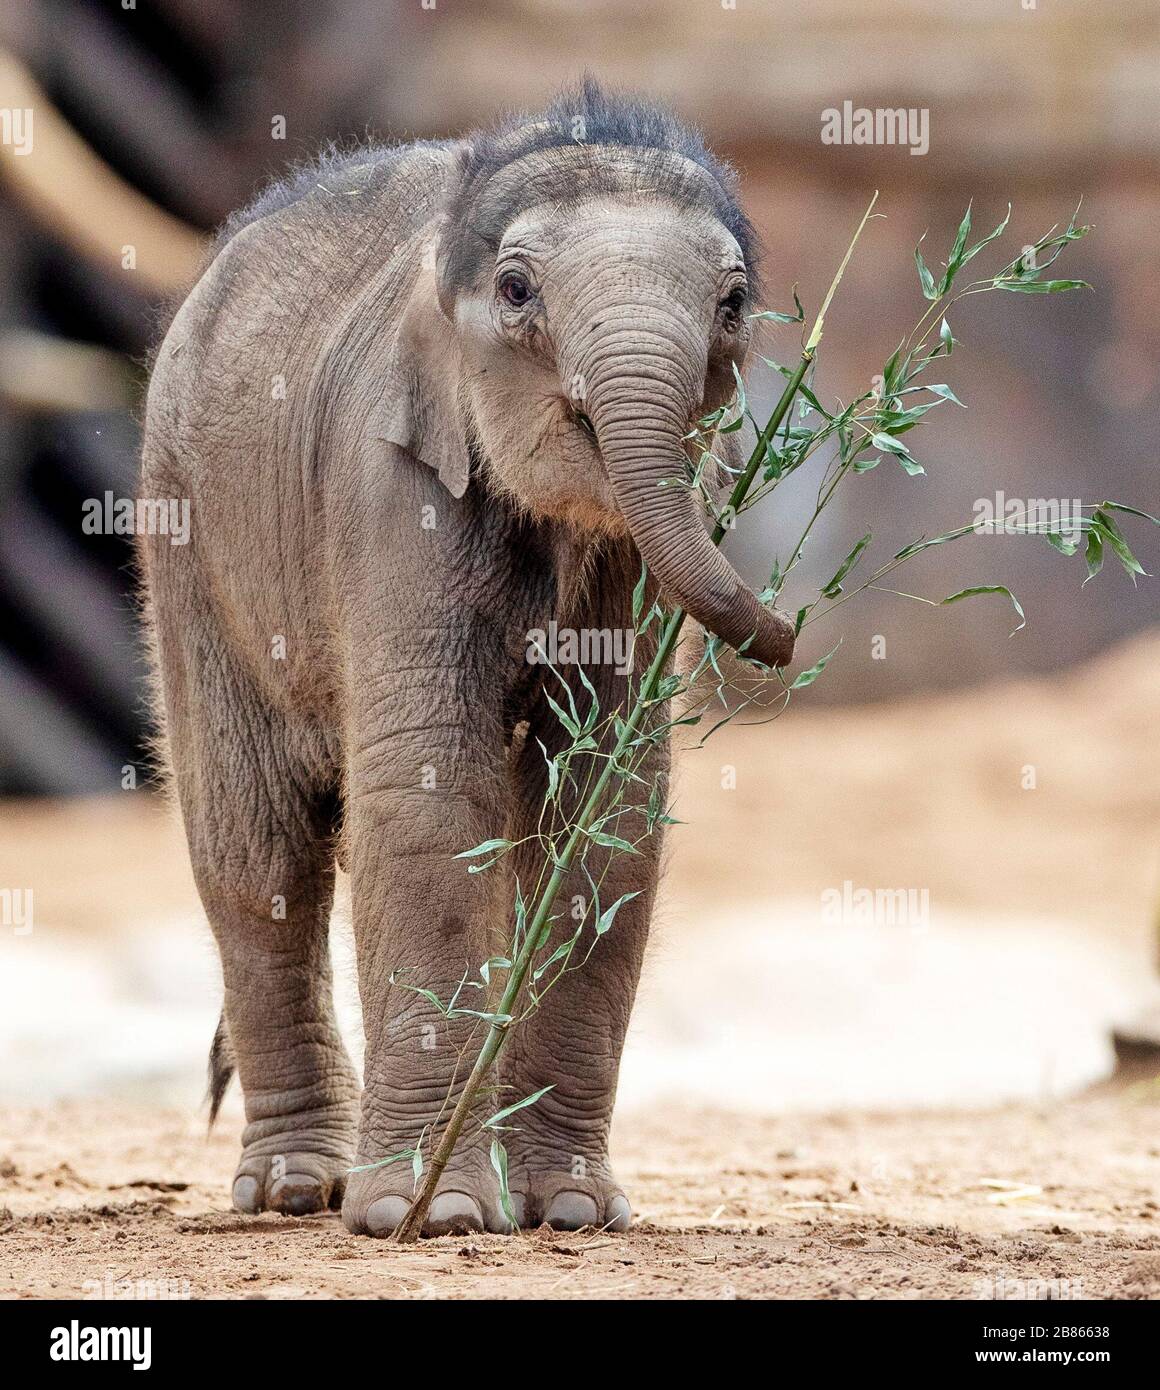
(424, 402)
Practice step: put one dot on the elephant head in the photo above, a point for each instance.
(586, 305)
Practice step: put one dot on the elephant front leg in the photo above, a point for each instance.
(421, 924)
(558, 1153)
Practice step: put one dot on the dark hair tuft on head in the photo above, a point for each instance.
(590, 115)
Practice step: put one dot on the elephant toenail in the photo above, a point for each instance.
(453, 1213)
(296, 1196)
(246, 1193)
(496, 1218)
(385, 1214)
(571, 1210)
(619, 1214)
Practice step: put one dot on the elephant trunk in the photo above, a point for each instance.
(640, 419)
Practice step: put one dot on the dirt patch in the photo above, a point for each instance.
(1018, 1202)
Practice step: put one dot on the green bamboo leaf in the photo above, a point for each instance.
(383, 1162)
(561, 952)
(497, 1020)
(926, 279)
(775, 316)
(986, 241)
(638, 595)
(602, 838)
(896, 447)
(428, 994)
(487, 847)
(1114, 537)
(608, 916)
(989, 589)
(594, 706)
(945, 393)
(499, 1161)
(570, 724)
(815, 404)
(896, 422)
(519, 1105)
(1041, 286)
(1061, 543)
(1131, 511)
(890, 379)
(1052, 244)
(553, 772)
(495, 963)
(916, 546)
(521, 908)
(957, 256)
(834, 587)
(808, 677)
(1094, 553)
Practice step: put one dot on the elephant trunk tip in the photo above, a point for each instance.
(774, 640)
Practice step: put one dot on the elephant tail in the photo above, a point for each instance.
(221, 1067)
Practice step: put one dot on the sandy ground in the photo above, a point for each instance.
(1016, 1203)
(795, 1115)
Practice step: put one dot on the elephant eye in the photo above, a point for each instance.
(515, 289)
(734, 302)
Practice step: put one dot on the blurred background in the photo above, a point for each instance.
(153, 120)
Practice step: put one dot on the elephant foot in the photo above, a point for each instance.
(566, 1203)
(297, 1172)
(297, 1183)
(467, 1202)
(569, 1199)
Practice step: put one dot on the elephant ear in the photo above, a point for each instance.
(421, 410)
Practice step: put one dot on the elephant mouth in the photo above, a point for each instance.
(584, 423)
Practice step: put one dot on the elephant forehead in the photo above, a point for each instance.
(562, 176)
(636, 226)
(569, 172)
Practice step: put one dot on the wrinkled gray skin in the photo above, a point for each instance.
(348, 371)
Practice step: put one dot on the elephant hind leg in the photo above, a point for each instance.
(559, 1167)
(260, 842)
